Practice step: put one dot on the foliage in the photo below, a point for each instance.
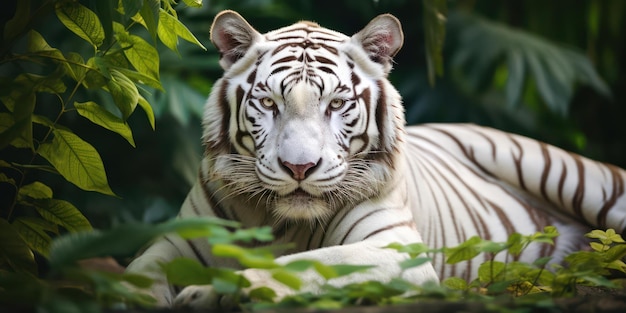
(70, 287)
(42, 86)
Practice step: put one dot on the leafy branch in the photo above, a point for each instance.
(110, 59)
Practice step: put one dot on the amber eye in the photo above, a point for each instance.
(337, 104)
(267, 103)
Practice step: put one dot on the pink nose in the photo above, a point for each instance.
(299, 171)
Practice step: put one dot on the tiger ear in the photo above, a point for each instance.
(233, 36)
(381, 38)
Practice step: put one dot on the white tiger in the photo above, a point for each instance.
(304, 133)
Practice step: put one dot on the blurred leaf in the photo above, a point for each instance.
(455, 283)
(185, 272)
(14, 251)
(299, 265)
(464, 251)
(16, 128)
(489, 271)
(81, 21)
(131, 7)
(77, 161)
(124, 240)
(413, 262)
(5, 179)
(18, 22)
(29, 292)
(287, 278)
(434, 32)
(483, 45)
(100, 116)
(183, 102)
(263, 294)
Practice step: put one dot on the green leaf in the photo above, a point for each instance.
(490, 271)
(37, 45)
(124, 93)
(5, 179)
(95, 76)
(299, 265)
(325, 270)
(35, 190)
(541, 262)
(63, 214)
(347, 269)
(147, 108)
(223, 286)
(137, 280)
(413, 262)
(77, 161)
(150, 14)
(185, 272)
(170, 28)
(463, 252)
(142, 55)
(414, 249)
(455, 283)
(100, 116)
(76, 63)
(18, 133)
(288, 279)
(14, 251)
(81, 21)
(124, 240)
(616, 252)
(166, 24)
(263, 294)
(131, 7)
(140, 78)
(492, 247)
(33, 232)
(193, 3)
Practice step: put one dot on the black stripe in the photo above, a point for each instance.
(355, 223)
(408, 223)
(579, 194)
(196, 252)
(618, 191)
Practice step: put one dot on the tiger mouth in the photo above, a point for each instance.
(299, 192)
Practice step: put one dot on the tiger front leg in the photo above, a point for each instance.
(385, 262)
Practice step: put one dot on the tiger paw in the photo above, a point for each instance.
(203, 297)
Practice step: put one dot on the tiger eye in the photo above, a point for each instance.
(267, 103)
(337, 104)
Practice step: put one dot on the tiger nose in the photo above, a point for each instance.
(299, 171)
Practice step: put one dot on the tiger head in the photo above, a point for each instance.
(304, 117)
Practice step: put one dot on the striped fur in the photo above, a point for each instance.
(305, 133)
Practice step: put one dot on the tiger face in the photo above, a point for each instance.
(309, 122)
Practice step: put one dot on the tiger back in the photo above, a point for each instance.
(305, 133)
